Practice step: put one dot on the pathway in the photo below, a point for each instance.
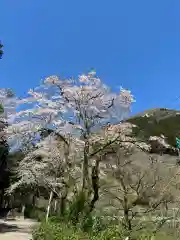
(19, 229)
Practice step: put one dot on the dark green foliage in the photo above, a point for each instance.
(35, 212)
(1, 50)
(1, 109)
(4, 171)
(76, 209)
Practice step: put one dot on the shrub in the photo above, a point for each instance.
(58, 231)
(35, 213)
(76, 208)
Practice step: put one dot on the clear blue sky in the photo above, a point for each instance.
(133, 43)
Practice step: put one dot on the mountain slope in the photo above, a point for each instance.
(155, 122)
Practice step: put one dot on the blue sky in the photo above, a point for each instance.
(133, 43)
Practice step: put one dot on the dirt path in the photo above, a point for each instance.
(19, 229)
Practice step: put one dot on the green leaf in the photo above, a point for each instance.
(1, 109)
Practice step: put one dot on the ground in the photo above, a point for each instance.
(18, 229)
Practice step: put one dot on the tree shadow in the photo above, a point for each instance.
(4, 227)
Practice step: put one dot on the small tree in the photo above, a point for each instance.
(136, 185)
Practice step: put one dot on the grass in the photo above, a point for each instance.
(62, 230)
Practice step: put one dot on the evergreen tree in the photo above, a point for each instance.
(1, 50)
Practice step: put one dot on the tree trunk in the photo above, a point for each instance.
(49, 205)
(95, 185)
(2, 198)
(23, 210)
(55, 206)
(87, 184)
(63, 204)
(34, 200)
(85, 167)
(125, 206)
(127, 220)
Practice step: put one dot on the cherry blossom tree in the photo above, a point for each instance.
(76, 108)
(53, 166)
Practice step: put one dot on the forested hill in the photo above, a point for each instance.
(157, 121)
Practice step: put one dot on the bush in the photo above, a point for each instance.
(112, 232)
(35, 213)
(92, 224)
(76, 208)
(58, 231)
